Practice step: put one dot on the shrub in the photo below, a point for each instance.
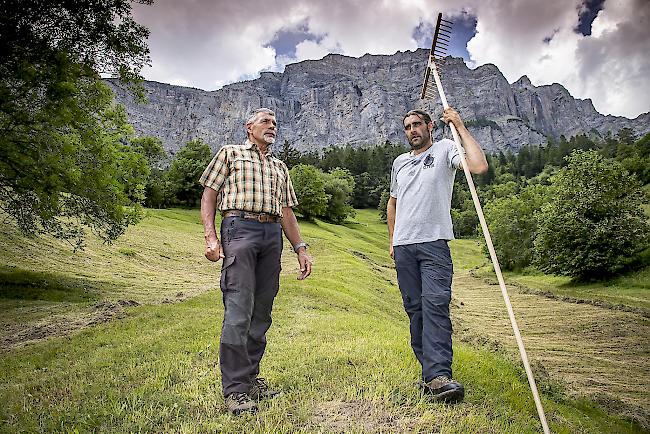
(309, 186)
(594, 225)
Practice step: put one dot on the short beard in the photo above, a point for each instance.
(421, 145)
(269, 139)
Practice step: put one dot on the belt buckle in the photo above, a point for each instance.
(263, 218)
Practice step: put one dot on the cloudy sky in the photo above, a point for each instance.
(598, 49)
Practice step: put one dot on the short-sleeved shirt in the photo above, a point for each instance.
(423, 185)
(248, 180)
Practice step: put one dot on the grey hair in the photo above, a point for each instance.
(256, 112)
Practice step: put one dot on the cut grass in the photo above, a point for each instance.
(338, 348)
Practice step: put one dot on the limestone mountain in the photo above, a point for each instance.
(359, 101)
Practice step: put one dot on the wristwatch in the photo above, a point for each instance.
(299, 245)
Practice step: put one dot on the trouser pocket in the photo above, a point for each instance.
(227, 276)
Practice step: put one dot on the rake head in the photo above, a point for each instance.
(439, 46)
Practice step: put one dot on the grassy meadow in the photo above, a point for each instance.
(124, 338)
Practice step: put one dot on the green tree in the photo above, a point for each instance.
(383, 205)
(158, 192)
(189, 163)
(289, 155)
(309, 186)
(151, 148)
(513, 226)
(338, 185)
(64, 164)
(594, 225)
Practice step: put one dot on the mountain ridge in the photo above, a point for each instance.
(360, 101)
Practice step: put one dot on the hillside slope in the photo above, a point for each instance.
(338, 347)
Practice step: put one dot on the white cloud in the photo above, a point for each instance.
(207, 43)
(611, 66)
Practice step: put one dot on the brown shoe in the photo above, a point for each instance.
(260, 390)
(444, 389)
(238, 403)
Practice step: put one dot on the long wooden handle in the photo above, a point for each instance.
(493, 255)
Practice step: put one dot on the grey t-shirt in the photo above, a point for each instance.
(422, 185)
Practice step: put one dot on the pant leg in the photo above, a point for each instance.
(267, 276)
(410, 286)
(240, 243)
(436, 274)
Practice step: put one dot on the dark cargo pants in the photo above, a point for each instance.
(250, 277)
(424, 273)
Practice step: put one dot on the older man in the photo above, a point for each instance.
(419, 226)
(253, 191)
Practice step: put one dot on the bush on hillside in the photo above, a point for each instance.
(593, 226)
(309, 186)
(513, 227)
(338, 185)
(186, 169)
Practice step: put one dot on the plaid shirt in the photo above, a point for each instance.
(249, 181)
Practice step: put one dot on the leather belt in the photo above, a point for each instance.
(258, 216)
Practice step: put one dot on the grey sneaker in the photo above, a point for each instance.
(444, 389)
(238, 403)
(260, 390)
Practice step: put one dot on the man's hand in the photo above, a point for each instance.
(305, 264)
(213, 250)
(392, 251)
(451, 115)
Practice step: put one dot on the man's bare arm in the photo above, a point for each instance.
(213, 249)
(390, 216)
(292, 231)
(474, 155)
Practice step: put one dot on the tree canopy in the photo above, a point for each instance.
(65, 158)
(594, 224)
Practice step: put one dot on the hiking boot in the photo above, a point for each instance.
(444, 389)
(260, 390)
(239, 402)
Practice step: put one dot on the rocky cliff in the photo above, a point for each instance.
(339, 100)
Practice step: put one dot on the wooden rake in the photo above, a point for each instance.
(439, 46)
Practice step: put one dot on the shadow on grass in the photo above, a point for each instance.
(16, 283)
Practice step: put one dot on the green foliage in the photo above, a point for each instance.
(152, 149)
(463, 212)
(383, 205)
(309, 186)
(186, 169)
(65, 162)
(289, 155)
(338, 185)
(635, 157)
(98, 35)
(594, 225)
(512, 224)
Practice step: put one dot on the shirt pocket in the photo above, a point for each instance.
(245, 169)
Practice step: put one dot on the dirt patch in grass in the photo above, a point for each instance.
(597, 352)
(62, 325)
(363, 416)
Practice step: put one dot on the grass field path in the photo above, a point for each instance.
(597, 352)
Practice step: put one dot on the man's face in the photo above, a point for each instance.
(417, 131)
(263, 129)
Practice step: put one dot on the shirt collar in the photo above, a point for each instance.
(250, 145)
